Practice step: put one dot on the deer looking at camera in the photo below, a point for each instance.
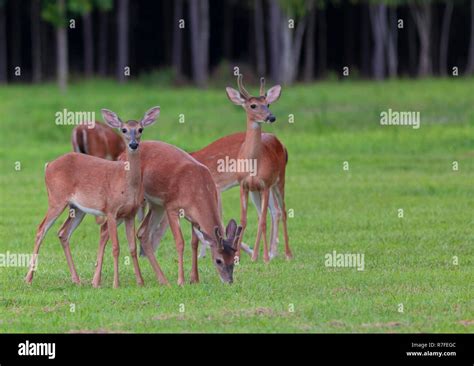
(99, 187)
(269, 182)
(229, 147)
(177, 186)
(103, 142)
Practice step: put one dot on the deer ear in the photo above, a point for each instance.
(234, 96)
(202, 236)
(235, 242)
(230, 230)
(273, 94)
(111, 118)
(150, 116)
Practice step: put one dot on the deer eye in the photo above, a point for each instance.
(124, 130)
(140, 130)
(218, 262)
(253, 106)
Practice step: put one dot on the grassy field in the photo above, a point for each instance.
(409, 261)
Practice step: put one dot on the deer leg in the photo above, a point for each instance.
(262, 228)
(194, 269)
(173, 220)
(104, 237)
(64, 234)
(141, 211)
(144, 237)
(154, 234)
(159, 233)
(130, 231)
(275, 213)
(112, 225)
(281, 202)
(49, 219)
(244, 198)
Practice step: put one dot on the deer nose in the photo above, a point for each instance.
(271, 118)
(133, 145)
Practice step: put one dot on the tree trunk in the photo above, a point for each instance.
(422, 16)
(259, 37)
(443, 48)
(470, 58)
(227, 31)
(292, 49)
(378, 20)
(103, 42)
(16, 34)
(122, 40)
(365, 41)
(204, 41)
(348, 35)
(62, 49)
(3, 46)
(322, 43)
(412, 47)
(309, 44)
(199, 27)
(392, 43)
(274, 33)
(36, 40)
(88, 44)
(177, 39)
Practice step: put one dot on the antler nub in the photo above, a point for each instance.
(262, 87)
(242, 90)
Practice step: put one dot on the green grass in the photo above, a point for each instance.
(408, 261)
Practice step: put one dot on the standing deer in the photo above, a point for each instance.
(103, 142)
(271, 163)
(229, 147)
(177, 186)
(99, 187)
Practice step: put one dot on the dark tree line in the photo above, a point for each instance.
(288, 40)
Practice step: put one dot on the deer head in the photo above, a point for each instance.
(223, 250)
(257, 108)
(131, 131)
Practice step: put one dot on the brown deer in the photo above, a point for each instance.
(177, 186)
(229, 147)
(99, 187)
(103, 142)
(100, 141)
(271, 162)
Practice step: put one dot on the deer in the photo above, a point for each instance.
(269, 181)
(88, 184)
(229, 146)
(103, 142)
(177, 186)
(100, 141)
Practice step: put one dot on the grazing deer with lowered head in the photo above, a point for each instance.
(99, 187)
(177, 186)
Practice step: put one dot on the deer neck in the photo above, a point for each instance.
(133, 174)
(253, 140)
(207, 219)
